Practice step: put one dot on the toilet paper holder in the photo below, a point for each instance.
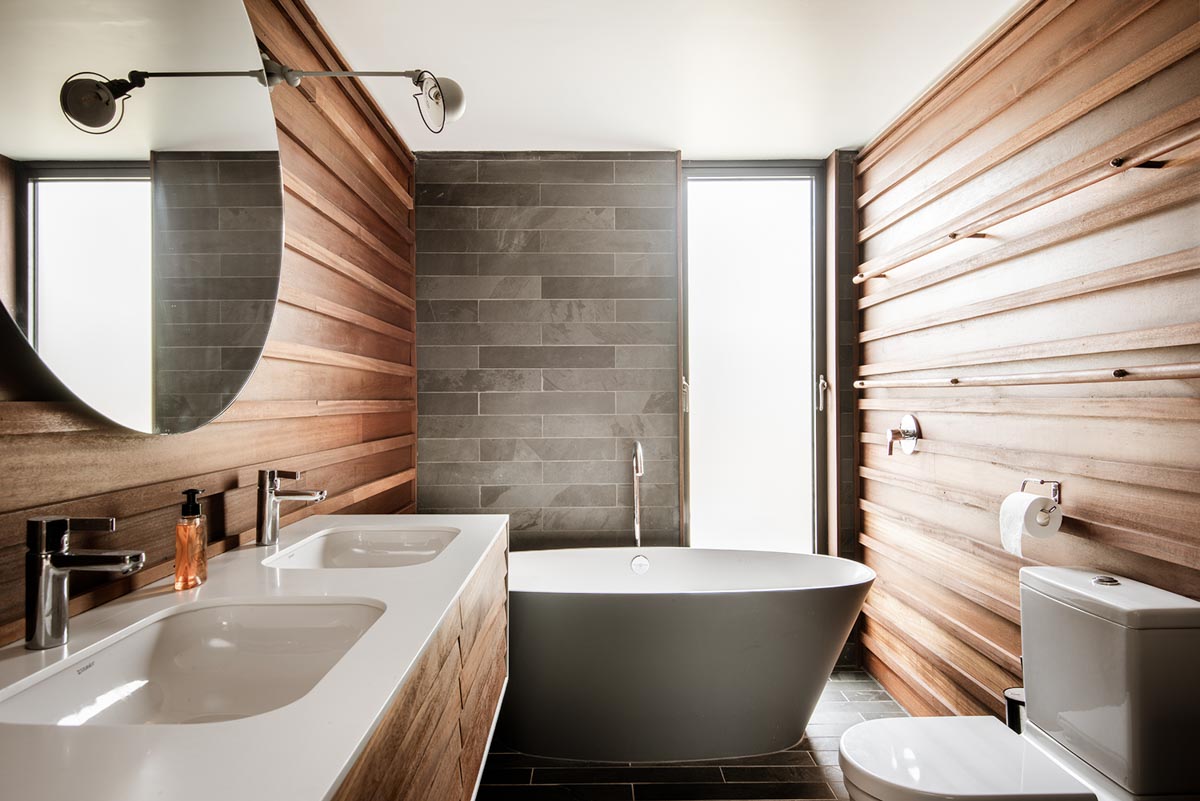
(1055, 490)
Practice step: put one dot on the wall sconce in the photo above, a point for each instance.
(95, 104)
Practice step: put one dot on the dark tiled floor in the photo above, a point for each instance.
(808, 770)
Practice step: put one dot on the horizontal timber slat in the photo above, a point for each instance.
(1156, 372)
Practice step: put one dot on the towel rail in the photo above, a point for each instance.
(1154, 372)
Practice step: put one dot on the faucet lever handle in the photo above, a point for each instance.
(91, 524)
(49, 533)
(291, 475)
(892, 436)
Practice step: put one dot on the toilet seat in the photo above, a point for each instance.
(938, 759)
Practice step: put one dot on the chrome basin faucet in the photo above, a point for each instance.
(269, 496)
(639, 470)
(49, 560)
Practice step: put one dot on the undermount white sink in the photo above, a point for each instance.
(392, 546)
(200, 664)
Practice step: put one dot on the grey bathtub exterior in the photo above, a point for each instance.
(670, 676)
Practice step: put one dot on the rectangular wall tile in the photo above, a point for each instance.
(437, 357)
(545, 263)
(547, 450)
(607, 241)
(646, 356)
(547, 356)
(448, 450)
(646, 172)
(458, 427)
(547, 219)
(658, 264)
(478, 334)
(616, 380)
(430, 380)
(609, 333)
(550, 495)
(474, 287)
(600, 425)
(540, 171)
(481, 473)
(629, 196)
(647, 310)
(548, 311)
(547, 403)
(625, 287)
(646, 219)
(448, 403)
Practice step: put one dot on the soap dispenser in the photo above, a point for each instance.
(191, 537)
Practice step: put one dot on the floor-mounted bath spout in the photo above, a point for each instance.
(639, 470)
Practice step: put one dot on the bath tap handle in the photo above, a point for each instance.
(907, 435)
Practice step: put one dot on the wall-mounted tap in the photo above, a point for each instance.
(269, 496)
(639, 470)
(49, 561)
(907, 435)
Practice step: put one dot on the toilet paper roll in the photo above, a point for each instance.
(1024, 513)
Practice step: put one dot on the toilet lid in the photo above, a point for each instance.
(977, 758)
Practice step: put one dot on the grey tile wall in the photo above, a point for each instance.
(547, 342)
(218, 240)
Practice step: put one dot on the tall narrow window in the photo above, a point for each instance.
(750, 362)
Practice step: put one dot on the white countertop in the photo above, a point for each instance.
(298, 752)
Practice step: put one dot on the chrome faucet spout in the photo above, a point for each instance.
(270, 495)
(300, 495)
(123, 562)
(49, 561)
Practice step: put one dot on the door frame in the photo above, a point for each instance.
(815, 171)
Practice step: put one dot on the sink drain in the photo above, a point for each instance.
(640, 564)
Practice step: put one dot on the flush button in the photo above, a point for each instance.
(1106, 581)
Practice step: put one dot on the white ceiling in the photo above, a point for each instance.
(717, 79)
(42, 43)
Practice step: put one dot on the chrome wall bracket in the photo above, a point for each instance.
(1055, 488)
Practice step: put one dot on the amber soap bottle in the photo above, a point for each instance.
(191, 536)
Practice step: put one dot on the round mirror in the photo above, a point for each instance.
(141, 216)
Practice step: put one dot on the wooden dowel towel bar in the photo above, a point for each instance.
(1156, 372)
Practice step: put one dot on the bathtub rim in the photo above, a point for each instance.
(866, 575)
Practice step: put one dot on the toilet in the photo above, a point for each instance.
(1112, 680)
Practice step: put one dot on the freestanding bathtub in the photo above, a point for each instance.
(663, 654)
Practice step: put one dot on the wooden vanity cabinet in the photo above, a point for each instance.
(430, 745)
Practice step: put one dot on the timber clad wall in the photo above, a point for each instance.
(1087, 262)
(334, 395)
(547, 321)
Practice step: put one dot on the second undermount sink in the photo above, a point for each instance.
(199, 664)
(360, 546)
